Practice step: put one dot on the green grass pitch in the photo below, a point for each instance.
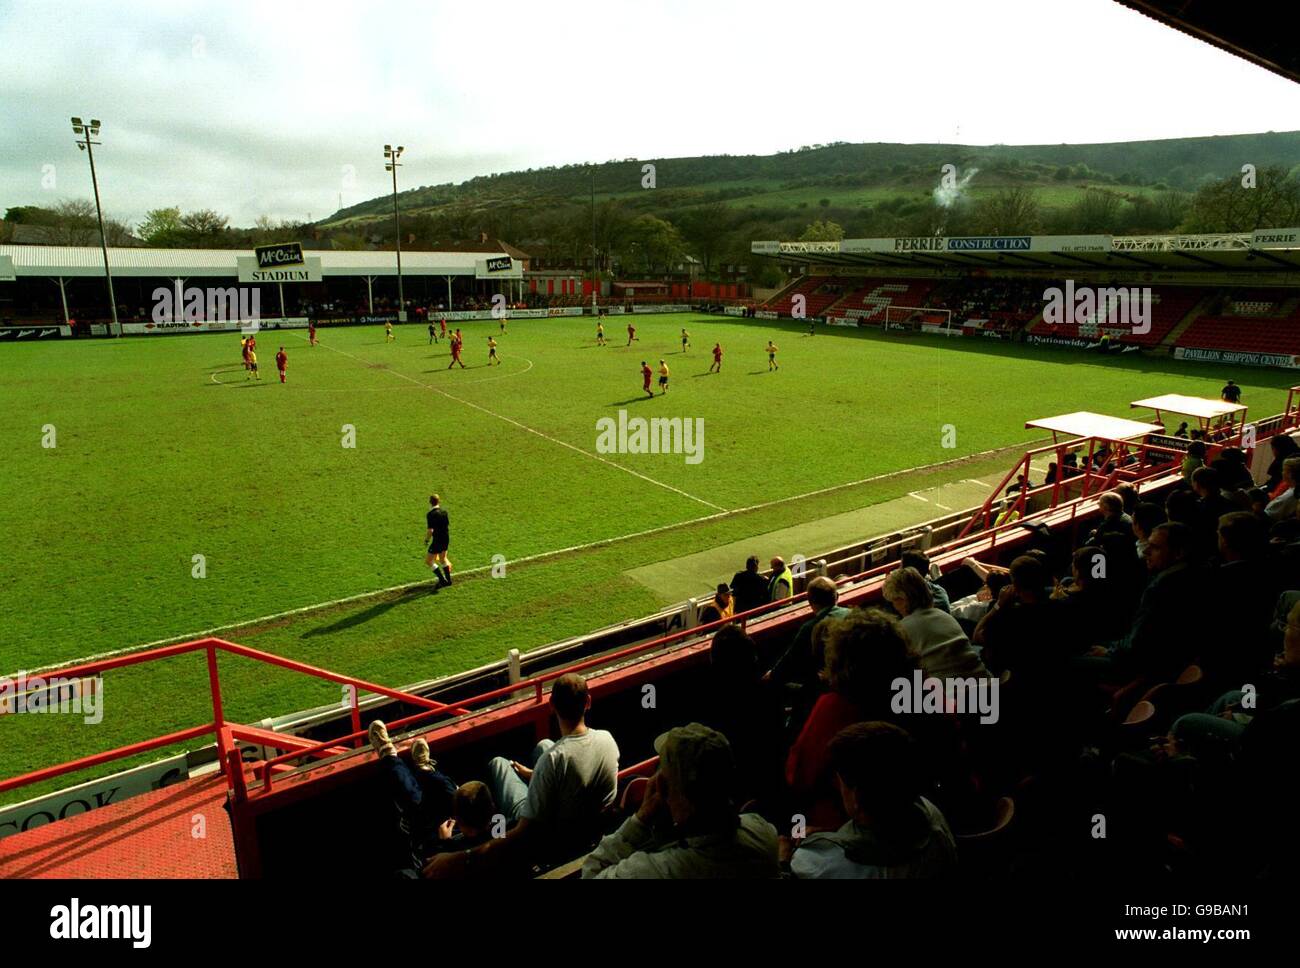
(165, 451)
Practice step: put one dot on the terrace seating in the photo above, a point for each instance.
(869, 301)
(1169, 306)
(1253, 321)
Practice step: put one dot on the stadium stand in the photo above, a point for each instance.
(869, 300)
(1169, 306)
(1251, 321)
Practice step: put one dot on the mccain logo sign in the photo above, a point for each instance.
(277, 256)
(499, 264)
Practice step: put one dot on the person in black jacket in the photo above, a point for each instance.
(748, 587)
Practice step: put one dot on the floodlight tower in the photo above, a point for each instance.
(88, 131)
(391, 155)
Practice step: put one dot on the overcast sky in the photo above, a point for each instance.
(276, 108)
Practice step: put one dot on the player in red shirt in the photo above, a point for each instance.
(442, 323)
(646, 374)
(281, 361)
(717, 357)
(631, 333)
(455, 351)
(311, 333)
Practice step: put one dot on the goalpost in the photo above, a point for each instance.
(912, 318)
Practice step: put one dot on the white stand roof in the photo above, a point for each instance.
(1203, 408)
(1086, 424)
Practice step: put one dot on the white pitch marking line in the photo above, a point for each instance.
(375, 593)
(918, 497)
(516, 423)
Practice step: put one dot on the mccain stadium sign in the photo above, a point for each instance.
(282, 262)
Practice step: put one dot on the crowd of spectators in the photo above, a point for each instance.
(1148, 671)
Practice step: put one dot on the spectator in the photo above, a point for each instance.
(970, 609)
(1128, 493)
(1168, 624)
(748, 587)
(1225, 721)
(1283, 505)
(745, 709)
(1091, 606)
(919, 561)
(893, 832)
(1020, 632)
(472, 815)
(1257, 499)
(781, 585)
(1182, 430)
(718, 608)
(1195, 458)
(799, 667)
(1145, 518)
(866, 652)
(687, 826)
(938, 642)
(1283, 447)
(1237, 645)
(1234, 475)
(1210, 505)
(1113, 519)
(422, 793)
(557, 803)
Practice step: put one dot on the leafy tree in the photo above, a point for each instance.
(161, 227)
(822, 231)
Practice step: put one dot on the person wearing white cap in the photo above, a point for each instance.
(687, 826)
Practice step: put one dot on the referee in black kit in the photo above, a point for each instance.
(438, 538)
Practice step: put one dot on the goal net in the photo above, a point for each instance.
(914, 318)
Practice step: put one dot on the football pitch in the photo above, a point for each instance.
(153, 491)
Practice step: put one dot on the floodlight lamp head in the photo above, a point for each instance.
(94, 126)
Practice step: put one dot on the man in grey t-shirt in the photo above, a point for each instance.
(556, 803)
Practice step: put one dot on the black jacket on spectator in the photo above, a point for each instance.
(748, 591)
(1170, 624)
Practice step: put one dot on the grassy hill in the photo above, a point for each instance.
(713, 206)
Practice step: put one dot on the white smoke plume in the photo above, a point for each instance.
(948, 193)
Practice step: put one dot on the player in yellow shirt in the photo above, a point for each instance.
(492, 352)
(771, 357)
(252, 364)
(388, 331)
(600, 333)
(663, 377)
(686, 339)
